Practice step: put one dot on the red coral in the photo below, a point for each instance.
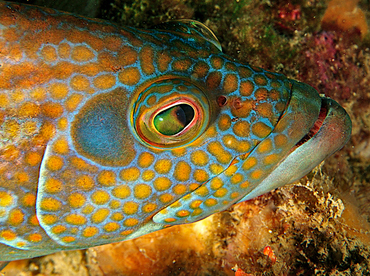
(288, 18)
(289, 12)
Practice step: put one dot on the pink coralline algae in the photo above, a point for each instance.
(329, 65)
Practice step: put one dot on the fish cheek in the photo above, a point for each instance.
(100, 131)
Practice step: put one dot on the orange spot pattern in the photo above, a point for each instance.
(74, 169)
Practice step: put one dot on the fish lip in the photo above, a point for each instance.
(331, 116)
(323, 113)
(330, 135)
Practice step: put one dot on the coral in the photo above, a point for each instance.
(297, 230)
(288, 18)
(328, 65)
(69, 263)
(145, 13)
(345, 16)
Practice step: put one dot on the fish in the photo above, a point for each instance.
(109, 133)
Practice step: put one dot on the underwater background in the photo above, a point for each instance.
(317, 226)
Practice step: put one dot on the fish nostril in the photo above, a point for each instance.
(221, 101)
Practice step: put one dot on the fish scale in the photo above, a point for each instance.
(108, 133)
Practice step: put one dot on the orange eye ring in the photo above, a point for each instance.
(170, 113)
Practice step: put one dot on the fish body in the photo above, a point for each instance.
(108, 133)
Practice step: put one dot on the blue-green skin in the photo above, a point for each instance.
(105, 145)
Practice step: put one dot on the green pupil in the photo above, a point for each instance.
(174, 119)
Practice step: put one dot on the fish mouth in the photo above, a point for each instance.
(333, 123)
(317, 125)
(330, 132)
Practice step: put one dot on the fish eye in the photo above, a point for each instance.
(174, 119)
(170, 113)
